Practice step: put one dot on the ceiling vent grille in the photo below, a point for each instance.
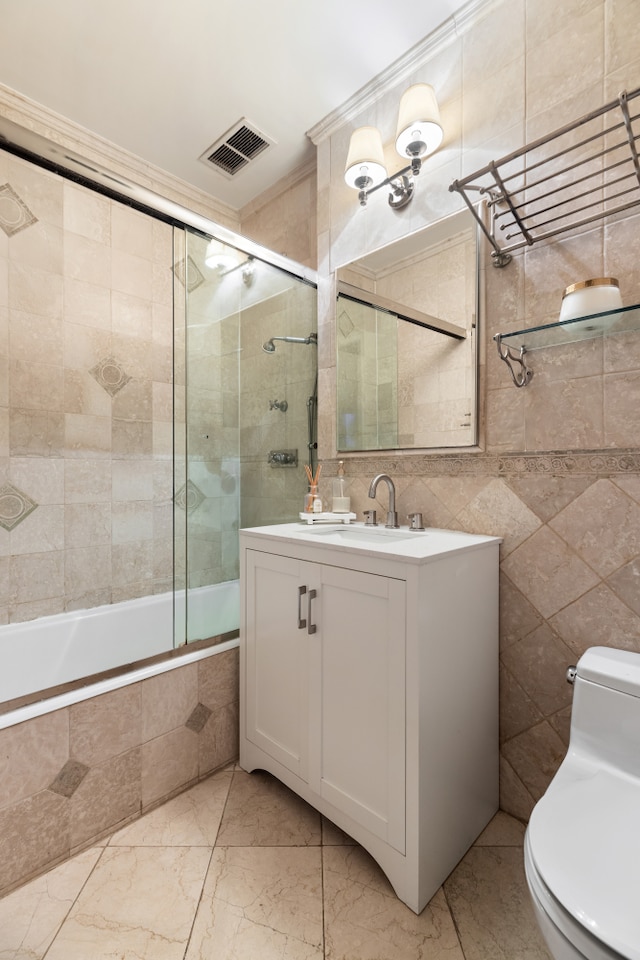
(236, 149)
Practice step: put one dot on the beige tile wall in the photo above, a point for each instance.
(284, 218)
(271, 494)
(72, 776)
(85, 345)
(558, 471)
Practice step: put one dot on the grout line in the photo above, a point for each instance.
(198, 904)
(77, 897)
(324, 928)
(453, 920)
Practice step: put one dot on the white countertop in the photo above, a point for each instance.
(401, 544)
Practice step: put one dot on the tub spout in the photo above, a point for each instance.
(392, 516)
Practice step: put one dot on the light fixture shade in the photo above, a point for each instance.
(220, 257)
(365, 161)
(419, 131)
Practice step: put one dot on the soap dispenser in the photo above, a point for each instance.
(341, 503)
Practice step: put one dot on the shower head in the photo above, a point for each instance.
(269, 346)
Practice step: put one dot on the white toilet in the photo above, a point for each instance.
(582, 846)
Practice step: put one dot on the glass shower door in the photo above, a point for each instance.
(207, 491)
(245, 418)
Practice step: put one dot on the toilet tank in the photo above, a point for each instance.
(605, 716)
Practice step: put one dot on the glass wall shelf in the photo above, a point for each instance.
(513, 347)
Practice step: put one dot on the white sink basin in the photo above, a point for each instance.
(349, 532)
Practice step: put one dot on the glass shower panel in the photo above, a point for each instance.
(207, 498)
(278, 394)
(245, 418)
(180, 474)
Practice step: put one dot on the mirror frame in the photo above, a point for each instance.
(437, 233)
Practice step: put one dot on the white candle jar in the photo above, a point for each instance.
(590, 296)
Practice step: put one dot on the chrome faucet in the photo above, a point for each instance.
(392, 516)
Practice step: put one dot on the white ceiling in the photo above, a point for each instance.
(166, 78)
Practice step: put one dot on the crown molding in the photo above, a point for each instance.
(456, 25)
(306, 169)
(40, 120)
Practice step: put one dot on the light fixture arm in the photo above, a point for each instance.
(401, 184)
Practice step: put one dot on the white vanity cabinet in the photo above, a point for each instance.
(369, 685)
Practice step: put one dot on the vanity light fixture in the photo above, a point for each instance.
(223, 262)
(419, 133)
(218, 258)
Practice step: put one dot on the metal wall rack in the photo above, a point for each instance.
(579, 174)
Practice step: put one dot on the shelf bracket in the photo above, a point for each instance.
(510, 356)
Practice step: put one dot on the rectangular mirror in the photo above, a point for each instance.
(406, 335)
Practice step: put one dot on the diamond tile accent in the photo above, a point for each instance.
(14, 213)
(599, 618)
(188, 273)
(198, 718)
(69, 778)
(497, 510)
(611, 537)
(345, 324)
(110, 374)
(548, 572)
(14, 506)
(189, 497)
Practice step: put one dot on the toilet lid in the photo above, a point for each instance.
(585, 843)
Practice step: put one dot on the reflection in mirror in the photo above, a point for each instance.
(406, 334)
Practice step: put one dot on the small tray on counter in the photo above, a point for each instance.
(327, 517)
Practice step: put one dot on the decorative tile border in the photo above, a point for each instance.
(14, 213)
(586, 463)
(583, 463)
(15, 506)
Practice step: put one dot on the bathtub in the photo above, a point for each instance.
(56, 650)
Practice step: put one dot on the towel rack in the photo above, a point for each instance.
(581, 173)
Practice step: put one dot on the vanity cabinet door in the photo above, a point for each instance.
(325, 683)
(357, 699)
(277, 668)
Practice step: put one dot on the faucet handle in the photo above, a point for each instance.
(415, 521)
(370, 518)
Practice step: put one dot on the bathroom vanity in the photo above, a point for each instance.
(369, 685)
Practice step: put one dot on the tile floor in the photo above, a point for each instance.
(239, 868)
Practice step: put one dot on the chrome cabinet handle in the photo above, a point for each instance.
(301, 623)
(311, 628)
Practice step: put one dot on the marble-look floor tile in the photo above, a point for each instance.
(489, 900)
(261, 902)
(364, 920)
(261, 811)
(31, 916)
(189, 820)
(502, 831)
(333, 836)
(138, 903)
